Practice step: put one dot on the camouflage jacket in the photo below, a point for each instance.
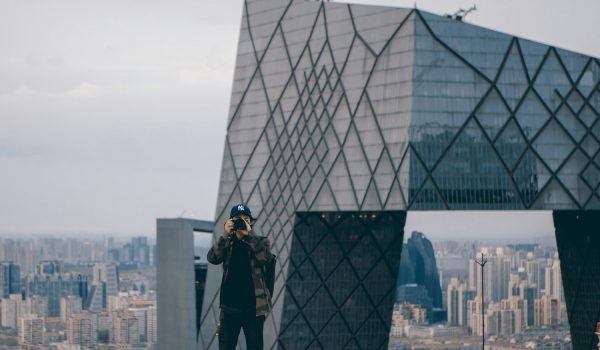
(260, 255)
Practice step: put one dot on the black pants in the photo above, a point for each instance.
(232, 323)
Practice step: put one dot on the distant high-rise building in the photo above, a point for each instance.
(415, 294)
(547, 311)
(10, 279)
(518, 307)
(105, 283)
(31, 330)
(452, 303)
(529, 295)
(49, 267)
(553, 279)
(82, 329)
(533, 269)
(19, 305)
(464, 296)
(458, 295)
(70, 305)
(474, 276)
(557, 288)
(497, 275)
(413, 313)
(141, 314)
(418, 266)
(140, 249)
(126, 254)
(37, 305)
(127, 329)
(151, 325)
(474, 316)
(8, 311)
(508, 322)
(106, 327)
(54, 287)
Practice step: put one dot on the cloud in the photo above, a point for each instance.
(16, 151)
(190, 77)
(84, 90)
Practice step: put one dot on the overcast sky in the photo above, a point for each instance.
(112, 113)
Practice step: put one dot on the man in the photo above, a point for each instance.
(245, 300)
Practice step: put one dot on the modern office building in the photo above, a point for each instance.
(105, 283)
(419, 266)
(10, 279)
(343, 117)
(54, 287)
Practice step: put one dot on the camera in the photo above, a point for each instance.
(239, 224)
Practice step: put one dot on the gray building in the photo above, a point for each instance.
(10, 279)
(343, 117)
(180, 280)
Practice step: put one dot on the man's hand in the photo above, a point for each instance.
(228, 228)
(245, 232)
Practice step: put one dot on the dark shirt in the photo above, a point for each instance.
(237, 292)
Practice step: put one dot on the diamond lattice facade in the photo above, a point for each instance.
(352, 109)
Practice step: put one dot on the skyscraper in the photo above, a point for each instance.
(339, 108)
(530, 295)
(419, 266)
(497, 276)
(105, 283)
(10, 279)
(452, 303)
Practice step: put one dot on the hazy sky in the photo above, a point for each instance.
(511, 226)
(112, 113)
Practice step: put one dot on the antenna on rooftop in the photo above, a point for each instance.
(461, 13)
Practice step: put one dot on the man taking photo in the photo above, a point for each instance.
(245, 300)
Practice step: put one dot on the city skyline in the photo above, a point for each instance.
(40, 303)
(87, 123)
(524, 297)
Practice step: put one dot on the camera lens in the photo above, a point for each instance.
(239, 224)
